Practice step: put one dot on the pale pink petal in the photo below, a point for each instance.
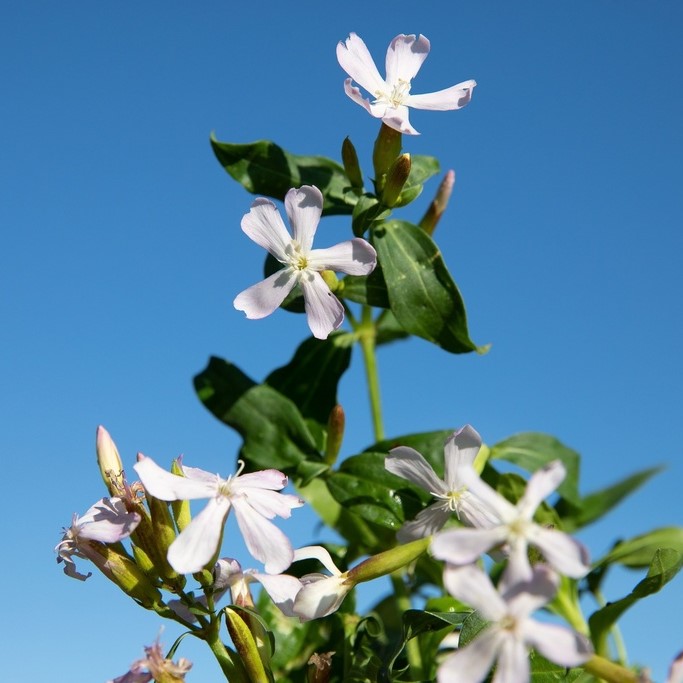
(428, 522)
(321, 597)
(108, 521)
(263, 479)
(282, 589)
(304, 208)
(323, 310)
(271, 503)
(471, 585)
(355, 257)
(398, 119)
(557, 643)
(463, 546)
(474, 512)
(528, 595)
(407, 463)
(264, 297)
(166, 486)
(460, 450)
(455, 97)
(540, 485)
(264, 225)
(518, 568)
(405, 57)
(199, 475)
(376, 109)
(676, 670)
(263, 539)
(197, 544)
(513, 662)
(471, 663)
(563, 552)
(317, 552)
(502, 507)
(355, 58)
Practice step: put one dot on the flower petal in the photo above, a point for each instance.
(321, 596)
(264, 297)
(513, 662)
(502, 507)
(263, 539)
(271, 503)
(471, 663)
(557, 643)
(304, 208)
(455, 97)
(528, 595)
(355, 257)
(398, 119)
(407, 463)
(354, 57)
(323, 310)
(471, 585)
(405, 57)
(166, 486)
(563, 552)
(108, 521)
(540, 485)
(262, 479)
(282, 589)
(460, 450)
(317, 552)
(197, 544)
(463, 546)
(428, 522)
(376, 109)
(263, 224)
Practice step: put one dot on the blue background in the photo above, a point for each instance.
(121, 252)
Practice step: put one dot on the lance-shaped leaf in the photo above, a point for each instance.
(365, 289)
(596, 504)
(421, 169)
(367, 210)
(274, 432)
(665, 564)
(263, 168)
(423, 296)
(310, 379)
(638, 551)
(532, 451)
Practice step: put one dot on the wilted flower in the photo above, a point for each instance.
(302, 264)
(392, 95)
(512, 631)
(254, 497)
(154, 666)
(107, 521)
(515, 529)
(460, 450)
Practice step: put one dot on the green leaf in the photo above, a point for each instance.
(365, 289)
(310, 379)
(367, 210)
(421, 169)
(532, 451)
(423, 296)
(429, 444)
(665, 564)
(638, 551)
(595, 505)
(274, 432)
(263, 168)
(388, 329)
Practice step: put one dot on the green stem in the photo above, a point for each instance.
(366, 336)
(609, 671)
(233, 671)
(619, 644)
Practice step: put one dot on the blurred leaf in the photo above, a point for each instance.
(367, 210)
(637, 552)
(263, 168)
(596, 504)
(421, 169)
(310, 379)
(532, 451)
(664, 566)
(274, 432)
(423, 296)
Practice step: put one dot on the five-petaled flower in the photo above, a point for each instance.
(460, 450)
(107, 521)
(302, 264)
(392, 96)
(254, 497)
(512, 631)
(515, 530)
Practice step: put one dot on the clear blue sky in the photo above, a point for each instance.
(121, 252)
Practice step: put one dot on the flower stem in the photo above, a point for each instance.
(232, 670)
(366, 336)
(609, 671)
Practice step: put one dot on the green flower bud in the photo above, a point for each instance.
(396, 179)
(439, 204)
(181, 508)
(109, 461)
(387, 148)
(351, 165)
(246, 646)
(388, 561)
(335, 434)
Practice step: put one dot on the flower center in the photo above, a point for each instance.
(397, 96)
(452, 499)
(519, 528)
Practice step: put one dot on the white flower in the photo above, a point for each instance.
(321, 594)
(255, 500)
(512, 631)
(516, 529)
(302, 264)
(460, 450)
(392, 96)
(107, 521)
